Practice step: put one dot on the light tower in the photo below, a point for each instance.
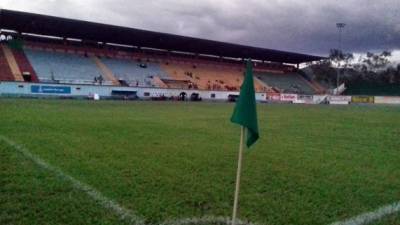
(340, 27)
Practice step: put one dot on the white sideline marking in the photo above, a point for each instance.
(369, 217)
(207, 220)
(124, 214)
(130, 217)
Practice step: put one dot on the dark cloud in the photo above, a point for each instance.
(293, 25)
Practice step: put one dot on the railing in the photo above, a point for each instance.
(67, 81)
(339, 90)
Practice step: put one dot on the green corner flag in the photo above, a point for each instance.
(245, 112)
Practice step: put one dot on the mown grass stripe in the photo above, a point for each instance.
(124, 214)
(370, 217)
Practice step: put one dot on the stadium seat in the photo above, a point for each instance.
(135, 73)
(5, 71)
(12, 63)
(24, 64)
(209, 76)
(286, 82)
(63, 67)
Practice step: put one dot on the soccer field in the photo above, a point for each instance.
(81, 162)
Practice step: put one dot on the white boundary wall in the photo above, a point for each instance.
(339, 100)
(289, 98)
(387, 100)
(319, 99)
(84, 91)
(73, 90)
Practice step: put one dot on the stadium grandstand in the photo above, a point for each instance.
(39, 49)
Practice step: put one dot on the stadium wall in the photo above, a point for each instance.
(38, 90)
(339, 100)
(83, 91)
(386, 100)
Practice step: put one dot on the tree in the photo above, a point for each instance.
(340, 59)
(324, 72)
(370, 68)
(375, 62)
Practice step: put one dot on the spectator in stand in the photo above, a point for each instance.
(53, 79)
(100, 79)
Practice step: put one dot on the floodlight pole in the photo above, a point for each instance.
(340, 27)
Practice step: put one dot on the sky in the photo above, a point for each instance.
(306, 26)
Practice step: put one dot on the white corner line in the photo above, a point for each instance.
(123, 213)
(372, 216)
(206, 220)
(129, 216)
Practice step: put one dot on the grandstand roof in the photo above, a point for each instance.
(77, 29)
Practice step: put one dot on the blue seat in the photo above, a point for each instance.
(286, 82)
(63, 67)
(132, 73)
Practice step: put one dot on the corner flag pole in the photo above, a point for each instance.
(245, 115)
(239, 170)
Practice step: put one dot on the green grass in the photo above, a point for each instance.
(168, 161)
(389, 220)
(30, 195)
